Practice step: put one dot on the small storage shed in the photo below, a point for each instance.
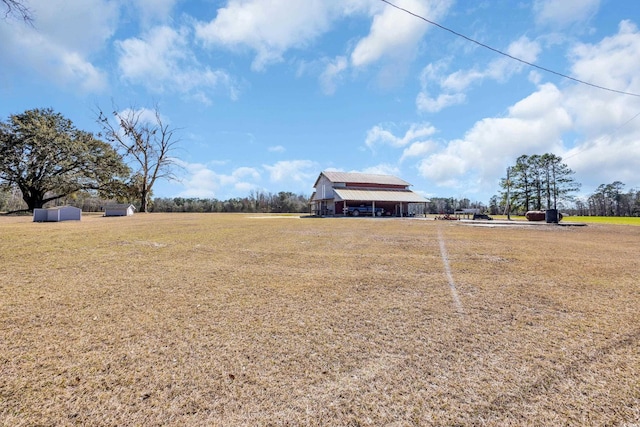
(60, 213)
(122, 209)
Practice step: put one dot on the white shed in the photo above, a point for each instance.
(122, 209)
(60, 213)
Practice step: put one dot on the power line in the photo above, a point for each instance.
(604, 136)
(548, 70)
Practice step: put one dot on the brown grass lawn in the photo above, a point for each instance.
(238, 320)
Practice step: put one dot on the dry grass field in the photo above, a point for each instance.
(242, 320)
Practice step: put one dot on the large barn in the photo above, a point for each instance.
(355, 194)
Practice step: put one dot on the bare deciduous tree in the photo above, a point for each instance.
(18, 9)
(146, 142)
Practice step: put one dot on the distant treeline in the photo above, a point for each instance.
(610, 200)
(448, 205)
(607, 200)
(257, 201)
(281, 203)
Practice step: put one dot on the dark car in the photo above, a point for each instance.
(481, 216)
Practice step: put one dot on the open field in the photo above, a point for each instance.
(234, 320)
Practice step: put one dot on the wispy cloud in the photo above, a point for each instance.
(379, 135)
(203, 181)
(292, 171)
(268, 29)
(560, 14)
(162, 60)
(451, 88)
(61, 53)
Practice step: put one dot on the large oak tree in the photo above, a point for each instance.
(47, 158)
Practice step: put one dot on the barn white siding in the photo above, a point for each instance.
(324, 189)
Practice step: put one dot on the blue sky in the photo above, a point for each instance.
(268, 93)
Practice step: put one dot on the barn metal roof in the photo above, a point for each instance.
(363, 178)
(405, 196)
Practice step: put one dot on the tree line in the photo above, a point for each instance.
(44, 158)
(256, 202)
(610, 200)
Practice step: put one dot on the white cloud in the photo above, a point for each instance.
(295, 173)
(143, 115)
(77, 25)
(154, 58)
(462, 79)
(444, 100)
(61, 53)
(394, 33)
(607, 159)
(378, 135)
(270, 28)
(525, 49)
(332, 74)
(162, 61)
(394, 39)
(150, 11)
(595, 131)
(557, 13)
(611, 63)
(533, 125)
(277, 149)
(267, 27)
(609, 144)
(381, 169)
(453, 86)
(245, 173)
(204, 182)
(418, 149)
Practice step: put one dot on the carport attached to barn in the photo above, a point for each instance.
(394, 202)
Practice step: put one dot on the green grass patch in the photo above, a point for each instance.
(614, 220)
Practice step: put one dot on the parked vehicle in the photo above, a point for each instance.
(363, 210)
(481, 216)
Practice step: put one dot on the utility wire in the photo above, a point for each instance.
(507, 55)
(604, 136)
